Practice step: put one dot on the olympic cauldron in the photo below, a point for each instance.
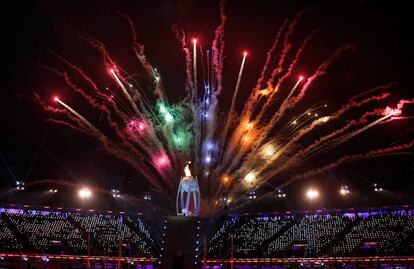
(188, 195)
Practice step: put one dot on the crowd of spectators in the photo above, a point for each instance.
(73, 232)
(318, 234)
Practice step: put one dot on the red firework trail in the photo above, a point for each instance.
(362, 120)
(138, 46)
(218, 49)
(93, 102)
(284, 77)
(49, 108)
(269, 55)
(253, 99)
(71, 126)
(404, 102)
(181, 36)
(295, 60)
(321, 71)
(353, 158)
(287, 45)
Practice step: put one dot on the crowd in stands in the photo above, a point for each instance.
(46, 231)
(111, 233)
(330, 234)
(376, 234)
(7, 239)
(65, 232)
(382, 232)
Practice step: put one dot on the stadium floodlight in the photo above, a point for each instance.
(147, 196)
(280, 194)
(225, 199)
(312, 194)
(85, 193)
(53, 190)
(344, 190)
(19, 185)
(377, 188)
(115, 193)
(252, 195)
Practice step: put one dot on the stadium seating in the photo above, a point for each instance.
(46, 231)
(379, 234)
(68, 232)
(8, 242)
(330, 234)
(363, 233)
(110, 232)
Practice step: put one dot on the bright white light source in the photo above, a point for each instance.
(85, 193)
(312, 194)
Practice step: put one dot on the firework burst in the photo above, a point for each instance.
(231, 154)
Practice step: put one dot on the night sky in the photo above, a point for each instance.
(34, 149)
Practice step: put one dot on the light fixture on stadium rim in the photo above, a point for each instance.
(312, 193)
(147, 196)
(252, 195)
(377, 188)
(344, 190)
(115, 193)
(85, 193)
(280, 194)
(224, 199)
(53, 190)
(19, 185)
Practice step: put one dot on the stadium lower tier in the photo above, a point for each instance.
(46, 231)
(42, 237)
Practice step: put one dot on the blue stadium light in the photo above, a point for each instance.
(210, 145)
(208, 159)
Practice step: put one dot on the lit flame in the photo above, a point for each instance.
(187, 171)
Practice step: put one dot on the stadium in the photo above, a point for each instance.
(184, 134)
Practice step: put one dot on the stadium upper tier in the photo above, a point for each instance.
(73, 232)
(375, 232)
